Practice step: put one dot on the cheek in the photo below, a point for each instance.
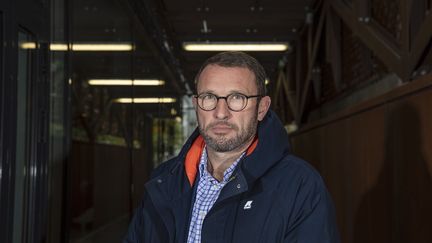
(202, 119)
(245, 121)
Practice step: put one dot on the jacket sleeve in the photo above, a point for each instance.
(146, 225)
(313, 217)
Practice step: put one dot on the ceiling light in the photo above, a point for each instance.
(91, 47)
(82, 46)
(101, 47)
(28, 45)
(154, 100)
(144, 82)
(236, 46)
(58, 47)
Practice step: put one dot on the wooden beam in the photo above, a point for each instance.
(310, 38)
(298, 77)
(311, 62)
(281, 93)
(277, 89)
(406, 9)
(420, 42)
(333, 48)
(317, 82)
(361, 8)
(372, 36)
(406, 12)
(290, 94)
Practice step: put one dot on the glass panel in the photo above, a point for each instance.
(115, 145)
(22, 135)
(59, 115)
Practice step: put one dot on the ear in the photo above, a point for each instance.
(194, 102)
(263, 107)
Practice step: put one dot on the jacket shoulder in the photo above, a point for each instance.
(164, 167)
(298, 167)
(294, 168)
(298, 185)
(311, 202)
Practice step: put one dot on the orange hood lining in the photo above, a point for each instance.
(194, 154)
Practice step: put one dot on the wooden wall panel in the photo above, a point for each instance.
(309, 141)
(368, 183)
(377, 163)
(409, 141)
(334, 153)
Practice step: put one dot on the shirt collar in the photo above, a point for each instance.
(227, 173)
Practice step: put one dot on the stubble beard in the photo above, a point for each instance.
(221, 143)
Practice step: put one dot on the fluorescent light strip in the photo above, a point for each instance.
(144, 82)
(59, 47)
(28, 45)
(102, 47)
(235, 46)
(82, 46)
(145, 100)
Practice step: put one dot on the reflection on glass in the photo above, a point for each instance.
(22, 137)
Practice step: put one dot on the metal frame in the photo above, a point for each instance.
(7, 119)
(35, 204)
(151, 21)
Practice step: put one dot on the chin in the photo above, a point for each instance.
(223, 137)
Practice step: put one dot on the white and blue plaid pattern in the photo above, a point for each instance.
(208, 190)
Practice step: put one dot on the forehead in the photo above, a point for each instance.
(218, 79)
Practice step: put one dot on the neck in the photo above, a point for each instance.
(218, 162)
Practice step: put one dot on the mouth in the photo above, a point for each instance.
(221, 128)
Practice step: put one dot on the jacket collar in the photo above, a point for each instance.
(272, 147)
(194, 154)
(261, 155)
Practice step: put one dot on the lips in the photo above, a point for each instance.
(221, 127)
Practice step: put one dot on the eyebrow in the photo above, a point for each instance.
(230, 92)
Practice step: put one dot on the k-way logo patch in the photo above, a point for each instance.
(248, 205)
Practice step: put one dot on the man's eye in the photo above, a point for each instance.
(207, 97)
(237, 96)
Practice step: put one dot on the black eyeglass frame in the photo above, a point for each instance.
(226, 100)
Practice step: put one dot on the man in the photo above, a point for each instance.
(235, 179)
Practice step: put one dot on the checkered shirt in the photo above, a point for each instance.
(208, 190)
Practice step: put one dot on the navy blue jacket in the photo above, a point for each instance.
(274, 197)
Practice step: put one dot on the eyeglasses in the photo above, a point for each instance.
(235, 101)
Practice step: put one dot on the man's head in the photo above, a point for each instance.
(230, 100)
(237, 59)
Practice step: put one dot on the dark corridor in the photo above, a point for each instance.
(95, 94)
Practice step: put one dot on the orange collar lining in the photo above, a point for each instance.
(194, 154)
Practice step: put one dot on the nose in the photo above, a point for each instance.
(221, 111)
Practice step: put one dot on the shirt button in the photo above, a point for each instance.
(202, 214)
(215, 187)
(238, 186)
